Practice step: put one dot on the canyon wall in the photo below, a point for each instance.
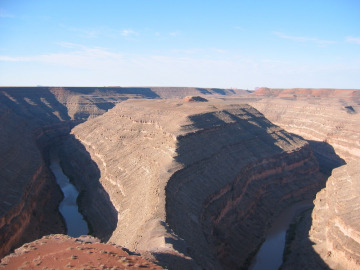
(190, 185)
(34, 119)
(193, 184)
(336, 220)
(330, 120)
(324, 115)
(26, 186)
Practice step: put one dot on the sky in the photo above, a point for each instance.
(227, 44)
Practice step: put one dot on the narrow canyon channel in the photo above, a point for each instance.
(75, 223)
(270, 255)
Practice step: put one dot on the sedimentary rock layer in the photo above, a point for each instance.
(336, 220)
(32, 119)
(309, 93)
(26, 186)
(332, 117)
(196, 181)
(328, 238)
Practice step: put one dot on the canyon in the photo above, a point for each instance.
(187, 182)
(325, 118)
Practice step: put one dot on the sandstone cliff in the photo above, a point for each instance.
(336, 220)
(331, 129)
(26, 186)
(329, 236)
(196, 182)
(32, 120)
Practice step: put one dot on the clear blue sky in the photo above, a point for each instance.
(239, 44)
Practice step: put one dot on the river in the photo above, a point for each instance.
(270, 255)
(75, 223)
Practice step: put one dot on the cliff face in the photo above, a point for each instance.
(330, 119)
(32, 119)
(26, 186)
(195, 183)
(336, 222)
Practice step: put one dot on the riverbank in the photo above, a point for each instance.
(75, 223)
(270, 254)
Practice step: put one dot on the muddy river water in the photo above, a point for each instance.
(75, 222)
(270, 255)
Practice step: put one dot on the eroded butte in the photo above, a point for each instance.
(193, 183)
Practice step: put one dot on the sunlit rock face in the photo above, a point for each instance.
(192, 182)
(32, 120)
(324, 115)
(336, 219)
(330, 119)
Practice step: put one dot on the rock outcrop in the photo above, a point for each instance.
(195, 183)
(325, 115)
(328, 238)
(62, 252)
(336, 220)
(32, 120)
(26, 186)
(330, 120)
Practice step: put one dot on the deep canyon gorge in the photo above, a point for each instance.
(188, 183)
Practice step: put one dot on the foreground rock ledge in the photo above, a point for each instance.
(195, 184)
(64, 252)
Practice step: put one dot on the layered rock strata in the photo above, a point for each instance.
(26, 186)
(336, 220)
(331, 116)
(199, 182)
(32, 119)
(329, 236)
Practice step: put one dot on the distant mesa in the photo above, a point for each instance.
(194, 99)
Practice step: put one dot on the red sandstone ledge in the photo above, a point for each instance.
(64, 252)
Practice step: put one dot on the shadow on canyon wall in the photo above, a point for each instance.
(299, 252)
(144, 92)
(94, 202)
(214, 90)
(50, 124)
(326, 156)
(37, 105)
(220, 160)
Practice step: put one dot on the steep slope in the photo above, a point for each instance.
(336, 222)
(32, 120)
(26, 186)
(330, 119)
(193, 183)
(333, 121)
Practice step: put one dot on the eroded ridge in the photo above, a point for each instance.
(336, 223)
(195, 184)
(330, 120)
